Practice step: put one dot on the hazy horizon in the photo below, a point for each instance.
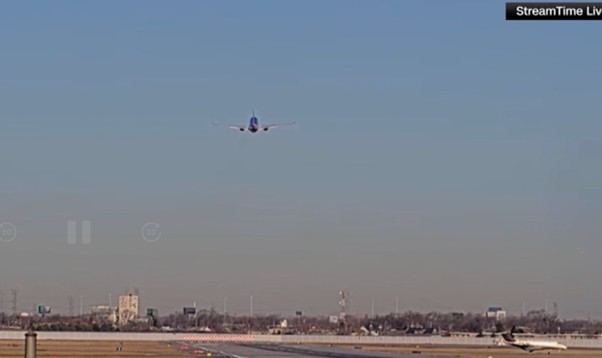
(441, 155)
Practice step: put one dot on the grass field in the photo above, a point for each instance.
(92, 349)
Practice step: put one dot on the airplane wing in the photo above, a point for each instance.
(276, 125)
(233, 126)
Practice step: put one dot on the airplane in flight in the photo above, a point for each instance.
(531, 346)
(254, 125)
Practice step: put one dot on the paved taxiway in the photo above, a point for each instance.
(263, 350)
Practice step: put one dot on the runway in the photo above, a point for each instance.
(264, 350)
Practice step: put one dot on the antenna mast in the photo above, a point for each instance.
(343, 305)
(14, 293)
(71, 306)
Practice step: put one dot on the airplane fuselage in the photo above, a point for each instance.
(253, 125)
(531, 346)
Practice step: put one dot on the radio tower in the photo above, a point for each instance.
(343, 311)
(14, 301)
(71, 306)
(343, 305)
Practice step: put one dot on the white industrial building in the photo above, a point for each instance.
(128, 308)
(495, 312)
(103, 312)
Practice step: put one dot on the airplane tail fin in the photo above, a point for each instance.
(508, 337)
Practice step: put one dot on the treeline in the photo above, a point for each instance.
(535, 322)
(414, 323)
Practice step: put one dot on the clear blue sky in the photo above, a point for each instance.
(441, 154)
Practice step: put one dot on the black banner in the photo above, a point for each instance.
(554, 11)
(189, 310)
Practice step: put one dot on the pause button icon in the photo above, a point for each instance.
(86, 229)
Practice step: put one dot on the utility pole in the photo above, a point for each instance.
(546, 307)
(14, 301)
(81, 305)
(71, 306)
(225, 309)
(523, 313)
(251, 317)
(372, 309)
(397, 306)
(196, 315)
(1, 303)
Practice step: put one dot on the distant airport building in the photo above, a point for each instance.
(152, 315)
(128, 308)
(152, 312)
(105, 313)
(495, 312)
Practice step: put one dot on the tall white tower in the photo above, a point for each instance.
(343, 305)
(128, 308)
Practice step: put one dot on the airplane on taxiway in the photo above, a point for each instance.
(531, 346)
(254, 125)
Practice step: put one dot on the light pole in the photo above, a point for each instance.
(251, 315)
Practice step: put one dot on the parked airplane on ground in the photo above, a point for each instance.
(254, 125)
(531, 346)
